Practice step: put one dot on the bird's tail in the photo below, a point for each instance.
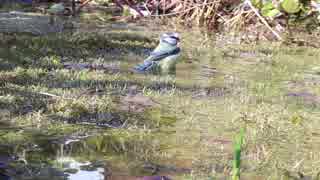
(144, 67)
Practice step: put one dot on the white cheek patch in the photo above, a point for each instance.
(170, 41)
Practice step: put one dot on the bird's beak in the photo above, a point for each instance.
(177, 38)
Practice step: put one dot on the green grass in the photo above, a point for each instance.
(196, 117)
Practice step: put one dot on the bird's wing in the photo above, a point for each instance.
(161, 51)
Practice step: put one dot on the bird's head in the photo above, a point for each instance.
(170, 38)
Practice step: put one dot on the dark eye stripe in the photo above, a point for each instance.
(171, 43)
(176, 38)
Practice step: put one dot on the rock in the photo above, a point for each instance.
(88, 168)
(71, 171)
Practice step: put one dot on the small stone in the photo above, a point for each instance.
(71, 171)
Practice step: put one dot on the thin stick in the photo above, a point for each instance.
(82, 5)
(263, 20)
(145, 5)
(48, 94)
(52, 95)
(298, 164)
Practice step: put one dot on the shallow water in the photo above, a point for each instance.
(190, 126)
(80, 174)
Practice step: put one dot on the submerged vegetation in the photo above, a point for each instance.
(70, 104)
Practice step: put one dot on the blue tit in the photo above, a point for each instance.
(164, 57)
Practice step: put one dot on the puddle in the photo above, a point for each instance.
(80, 170)
(22, 22)
(83, 158)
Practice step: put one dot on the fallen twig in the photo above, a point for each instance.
(52, 95)
(263, 20)
(48, 94)
(81, 6)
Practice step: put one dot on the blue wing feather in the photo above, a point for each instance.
(162, 51)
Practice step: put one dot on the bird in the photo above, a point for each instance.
(163, 58)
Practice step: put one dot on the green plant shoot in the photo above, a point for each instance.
(237, 155)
